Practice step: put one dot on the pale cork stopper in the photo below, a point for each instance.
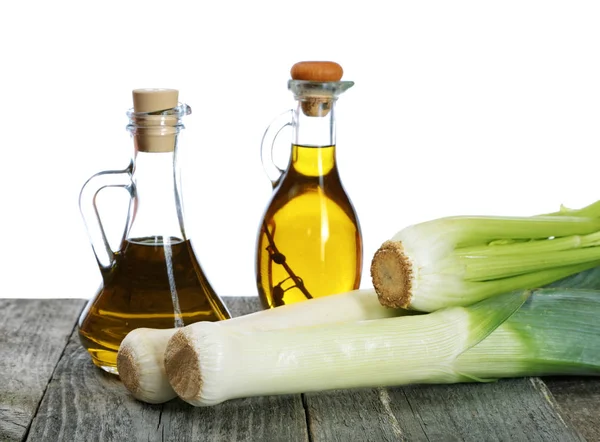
(392, 274)
(154, 100)
(317, 105)
(158, 133)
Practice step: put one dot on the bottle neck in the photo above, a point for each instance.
(314, 131)
(158, 211)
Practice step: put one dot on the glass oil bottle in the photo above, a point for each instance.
(154, 279)
(309, 243)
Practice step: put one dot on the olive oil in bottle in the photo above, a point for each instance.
(154, 283)
(309, 242)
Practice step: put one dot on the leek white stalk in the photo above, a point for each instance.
(140, 361)
(460, 260)
(503, 336)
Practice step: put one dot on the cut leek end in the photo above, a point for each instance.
(392, 275)
(141, 368)
(128, 369)
(182, 366)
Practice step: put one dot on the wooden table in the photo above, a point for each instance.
(50, 391)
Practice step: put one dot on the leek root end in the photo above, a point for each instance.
(391, 271)
(182, 366)
(128, 373)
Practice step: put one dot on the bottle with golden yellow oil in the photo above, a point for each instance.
(309, 242)
(152, 278)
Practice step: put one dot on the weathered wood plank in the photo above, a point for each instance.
(269, 418)
(361, 415)
(84, 403)
(33, 335)
(516, 409)
(579, 401)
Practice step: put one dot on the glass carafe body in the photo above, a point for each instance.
(154, 279)
(309, 243)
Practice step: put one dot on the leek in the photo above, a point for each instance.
(140, 361)
(521, 333)
(461, 260)
(542, 339)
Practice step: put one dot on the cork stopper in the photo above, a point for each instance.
(156, 132)
(317, 104)
(154, 100)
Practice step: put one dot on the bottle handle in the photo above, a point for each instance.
(89, 210)
(267, 144)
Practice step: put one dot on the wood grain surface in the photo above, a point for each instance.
(579, 401)
(81, 402)
(509, 410)
(33, 334)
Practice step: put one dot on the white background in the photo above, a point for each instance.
(459, 107)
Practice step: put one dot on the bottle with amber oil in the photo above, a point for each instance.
(309, 242)
(154, 279)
